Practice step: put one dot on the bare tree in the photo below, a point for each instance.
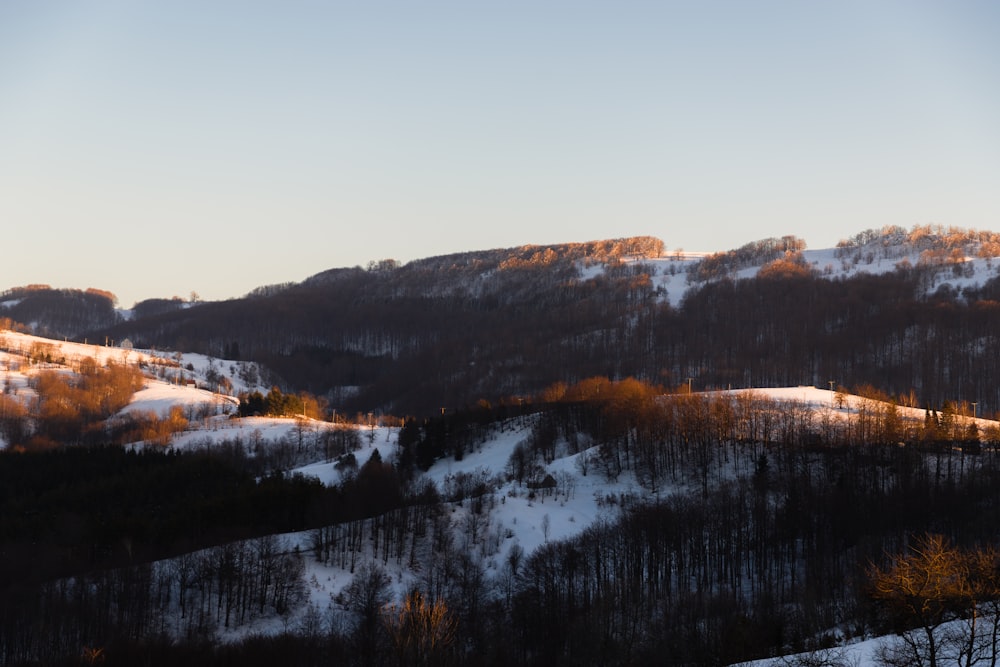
(366, 595)
(421, 632)
(933, 596)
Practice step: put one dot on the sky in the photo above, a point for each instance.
(155, 149)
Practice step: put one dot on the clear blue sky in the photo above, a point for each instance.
(154, 148)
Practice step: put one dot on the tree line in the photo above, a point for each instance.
(60, 312)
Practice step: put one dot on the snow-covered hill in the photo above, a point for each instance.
(951, 259)
(493, 519)
(190, 381)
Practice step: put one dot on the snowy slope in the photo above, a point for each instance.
(190, 381)
(673, 272)
(509, 515)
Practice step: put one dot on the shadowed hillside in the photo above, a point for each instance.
(913, 312)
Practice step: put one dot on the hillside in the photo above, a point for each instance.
(551, 532)
(592, 470)
(912, 312)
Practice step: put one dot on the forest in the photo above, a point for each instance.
(757, 537)
(495, 325)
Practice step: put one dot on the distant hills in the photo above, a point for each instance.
(912, 312)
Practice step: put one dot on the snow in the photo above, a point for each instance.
(824, 402)
(517, 515)
(522, 512)
(670, 272)
(159, 397)
(70, 351)
(863, 653)
(857, 654)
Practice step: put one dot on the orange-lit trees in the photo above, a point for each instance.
(421, 632)
(68, 407)
(932, 595)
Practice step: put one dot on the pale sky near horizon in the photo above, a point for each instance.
(158, 148)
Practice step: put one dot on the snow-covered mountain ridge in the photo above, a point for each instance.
(952, 257)
(965, 253)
